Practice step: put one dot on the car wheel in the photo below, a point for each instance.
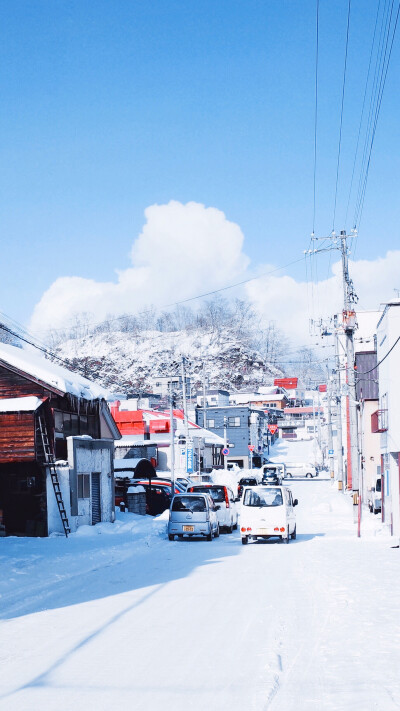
(245, 540)
(210, 535)
(170, 537)
(286, 539)
(293, 535)
(308, 476)
(217, 532)
(229, 529)
(235, 526)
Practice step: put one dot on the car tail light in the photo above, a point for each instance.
(248, 528)
(226, 498)
(282, 528)
(243, 529)
(276, 529)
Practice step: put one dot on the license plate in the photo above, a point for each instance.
(188, 529)
(263, 531)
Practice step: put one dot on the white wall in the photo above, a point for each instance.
(389, 396)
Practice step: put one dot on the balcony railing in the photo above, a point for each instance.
(379, 421)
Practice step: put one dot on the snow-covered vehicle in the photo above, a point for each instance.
(301, 469)
(375, 497)
(224, 498)
(193, 515)
(267, 512)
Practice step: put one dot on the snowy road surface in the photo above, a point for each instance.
(127, 620)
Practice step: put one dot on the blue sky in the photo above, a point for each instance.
(111, 106)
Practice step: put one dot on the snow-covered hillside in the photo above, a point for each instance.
(122, 361)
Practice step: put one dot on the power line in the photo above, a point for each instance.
(316, 111)
(377, 111)
(381, 361)
(191, 298)
(341, 113)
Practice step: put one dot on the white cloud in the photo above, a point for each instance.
(183, 250)
(186, 250)
(292, 303)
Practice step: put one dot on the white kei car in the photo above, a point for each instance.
(267, 512)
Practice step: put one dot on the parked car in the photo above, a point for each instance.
(246, 481)
(306, 470)
(223, 496)
(193, 515)
(375, 497)
(267, 512)
(179, 487)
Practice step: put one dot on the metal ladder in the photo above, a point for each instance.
(50, 463)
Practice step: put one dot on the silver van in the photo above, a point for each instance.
(193, 515)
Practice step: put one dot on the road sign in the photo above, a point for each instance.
(251, 447)
(225, 451)
(330, 452)
(272, 428)
(189, 460)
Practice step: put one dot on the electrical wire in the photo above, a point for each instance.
(362, 112)
(381, 361)
(341, 113)
(377, 112)
(316, 111)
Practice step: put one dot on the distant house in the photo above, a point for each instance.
(48, 414)
(241, 426)
(273, 400)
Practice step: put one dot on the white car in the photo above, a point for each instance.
(267, 512)
(222, 496)
(375, 497)
(302, 469)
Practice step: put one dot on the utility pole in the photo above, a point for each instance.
(172, 433)
(185, 416)
(329, 423)
(339, 438)
(349, 325)
(204, 396)
(225, 442)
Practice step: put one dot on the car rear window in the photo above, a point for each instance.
(378, 485)
(189, 503)
(217, 493)
(248, 482)
(264, 497)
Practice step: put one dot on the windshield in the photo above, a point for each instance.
(264, 497)
(217, 492)
(189, 503)
(269, 471)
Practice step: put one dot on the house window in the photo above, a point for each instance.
(272, 404)
(83, 486)
(210, 423)
(233, 421)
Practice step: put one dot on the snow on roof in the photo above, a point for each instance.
(55, 376)
(20, 404)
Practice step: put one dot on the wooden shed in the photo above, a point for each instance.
(41, 405)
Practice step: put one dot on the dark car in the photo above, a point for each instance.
(246, 481)
(272, 478)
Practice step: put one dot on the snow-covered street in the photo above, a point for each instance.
(127, 619)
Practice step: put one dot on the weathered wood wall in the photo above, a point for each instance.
(15, 385)
(17, 437)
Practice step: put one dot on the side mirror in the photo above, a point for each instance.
(217, 508)
(295, 502)
(372, 488)
(237, 498)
